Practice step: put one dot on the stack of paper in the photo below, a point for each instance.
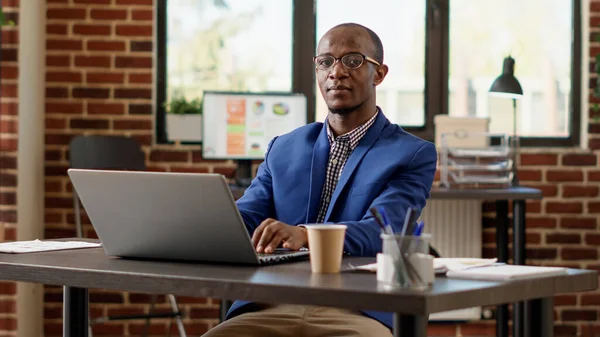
(43, 246)
(505, 272)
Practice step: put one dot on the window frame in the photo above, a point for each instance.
(436, 72)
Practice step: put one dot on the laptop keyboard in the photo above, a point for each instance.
(283, 255)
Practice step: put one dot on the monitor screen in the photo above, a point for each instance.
(241, 125)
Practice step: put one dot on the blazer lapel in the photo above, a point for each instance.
(317, 178)
(355, 158)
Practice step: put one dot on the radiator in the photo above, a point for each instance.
(455, 228)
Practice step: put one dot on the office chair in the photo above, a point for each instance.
(114, 153)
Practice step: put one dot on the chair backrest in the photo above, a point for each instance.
(106, 152)
(103, 153)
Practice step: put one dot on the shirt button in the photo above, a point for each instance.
(334, 161)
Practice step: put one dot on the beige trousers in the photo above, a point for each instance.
(300, 320)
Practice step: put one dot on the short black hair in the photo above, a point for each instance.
(378, 46)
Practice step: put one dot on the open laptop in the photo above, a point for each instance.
(173, 216)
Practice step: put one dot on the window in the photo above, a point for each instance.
(443, 56)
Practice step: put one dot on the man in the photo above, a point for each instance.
(333, 172)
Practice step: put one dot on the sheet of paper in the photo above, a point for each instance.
(506, 272)
(442, 265)
(33, 246)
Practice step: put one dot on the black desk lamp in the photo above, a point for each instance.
(507, 85)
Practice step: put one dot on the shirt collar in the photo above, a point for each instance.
(355, 135)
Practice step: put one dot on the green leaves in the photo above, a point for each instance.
(3, 21)
(180, 106)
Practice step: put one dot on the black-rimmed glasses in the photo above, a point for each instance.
(349, 61)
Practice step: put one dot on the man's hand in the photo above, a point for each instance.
(271, 233)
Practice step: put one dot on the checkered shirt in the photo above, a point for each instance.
(340, 149)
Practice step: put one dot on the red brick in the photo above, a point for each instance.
(541, 222)
(592, 239)
(478, 329)
(91, 30)
(58, 139)
(110, 329)
(594, 175)
(579, 315)
(8, 306)
(191, 300)
(53, 155)
(8, 144)
(538, 159)
(12, 73)
(579, 191)
(8, 324)
(89, 123)
(595, 7)
(8, 90)
(135, 2)
(530, 175)
(564, 207)
(65, 13)
(56, 123)
(108, 14)
(168, 156)
(9, 108)
(579, 253)
(133, 93)
(594, 128)
(142, 15)
(8, 180)
(9, 126)
(98, 2)
(65, 108)
(560, 175)
(562, 300)
(140, 78)
(140, 46)
(116, 78)
(133, 62)
(8, 288)
(54, 187)
(8, 198)
(134, 30)
(189, 169)
(58, 60)
(563, 238)
(105, 109)
(62, 45)
(579, 160)
(56, 29)
(140, 109)
(106, 297)
(145, 298)
(105, 46)
(90, 92)
(122, 311)
(577, 223)
(228, 172)
(204, 313)
(594, 207)
(10, 3)
(10, 37)
(92, 61)
(144, 139)
(594, 144)
(540, 253)
(7, 162)
(63, 76)
(590, 299)
(132, 124)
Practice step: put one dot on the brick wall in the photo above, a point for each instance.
(99, 80)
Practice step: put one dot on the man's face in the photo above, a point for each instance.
(345, 90)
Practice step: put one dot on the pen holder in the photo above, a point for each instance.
(405, 262)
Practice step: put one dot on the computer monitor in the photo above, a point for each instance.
(240, 125)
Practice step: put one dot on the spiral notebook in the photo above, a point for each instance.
(505, 272)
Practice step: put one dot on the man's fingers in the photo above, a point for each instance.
(275, 241)
(259, 230)
(268, 233)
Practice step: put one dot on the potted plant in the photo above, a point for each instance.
(184, 119)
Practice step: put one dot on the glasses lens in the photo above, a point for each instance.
(325, 61)
(352, 61)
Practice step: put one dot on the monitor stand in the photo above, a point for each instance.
(243, 174)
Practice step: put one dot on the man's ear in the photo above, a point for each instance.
(380, 73)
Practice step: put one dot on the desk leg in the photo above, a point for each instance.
(541, 321)
(502, 254)
(75, 312)
(519, 257)
(410, 325)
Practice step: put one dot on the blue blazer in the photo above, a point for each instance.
(389, 168)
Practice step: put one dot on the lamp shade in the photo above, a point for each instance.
(506, 85)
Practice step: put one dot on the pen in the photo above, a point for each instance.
(386, 220)
(419, 228)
